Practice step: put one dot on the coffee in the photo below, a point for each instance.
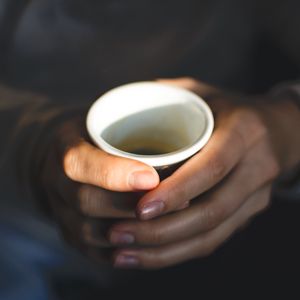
(146, 146)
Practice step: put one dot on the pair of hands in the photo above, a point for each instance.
(116, 208)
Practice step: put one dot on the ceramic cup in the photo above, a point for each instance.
(157, 124)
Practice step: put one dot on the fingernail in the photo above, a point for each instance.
(143, 180)
(118, 237)
(151, 210)
(126, 261)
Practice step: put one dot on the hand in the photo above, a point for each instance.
(217, 191)
(88, 189)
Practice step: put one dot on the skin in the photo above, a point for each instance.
(116, 210)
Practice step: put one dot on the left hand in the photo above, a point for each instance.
(217, 191)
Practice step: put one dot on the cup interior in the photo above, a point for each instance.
(152, 122)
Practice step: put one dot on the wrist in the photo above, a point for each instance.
(287, 186)
(287, 123)
(281, 117)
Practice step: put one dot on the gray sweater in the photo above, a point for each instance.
(67, 52)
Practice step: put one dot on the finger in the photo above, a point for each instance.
(86, 164)
(93, 247)
(85, 231)
(98, 203)
(90, 200)
(204, 214)
(196, 176)
(203, 89)
(199, 246)
(211, 94)
(93, 201)
(235, 135)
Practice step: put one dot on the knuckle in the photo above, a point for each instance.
(238, 140)
(105, 177)
(273, 168)
(152, 235)
(240, 114)
(157, 237)
(245, 114)
(211, 217)
(250, 124)
(217, 168)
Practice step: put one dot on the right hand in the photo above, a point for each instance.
(88, 189)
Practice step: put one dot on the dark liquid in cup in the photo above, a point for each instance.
(146, 146)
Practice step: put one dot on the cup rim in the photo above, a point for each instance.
(158, 160)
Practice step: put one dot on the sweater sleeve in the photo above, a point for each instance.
(27, 124)
(288, 186)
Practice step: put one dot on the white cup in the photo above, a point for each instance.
(150, 111)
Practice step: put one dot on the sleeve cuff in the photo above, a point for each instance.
(287, 187)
